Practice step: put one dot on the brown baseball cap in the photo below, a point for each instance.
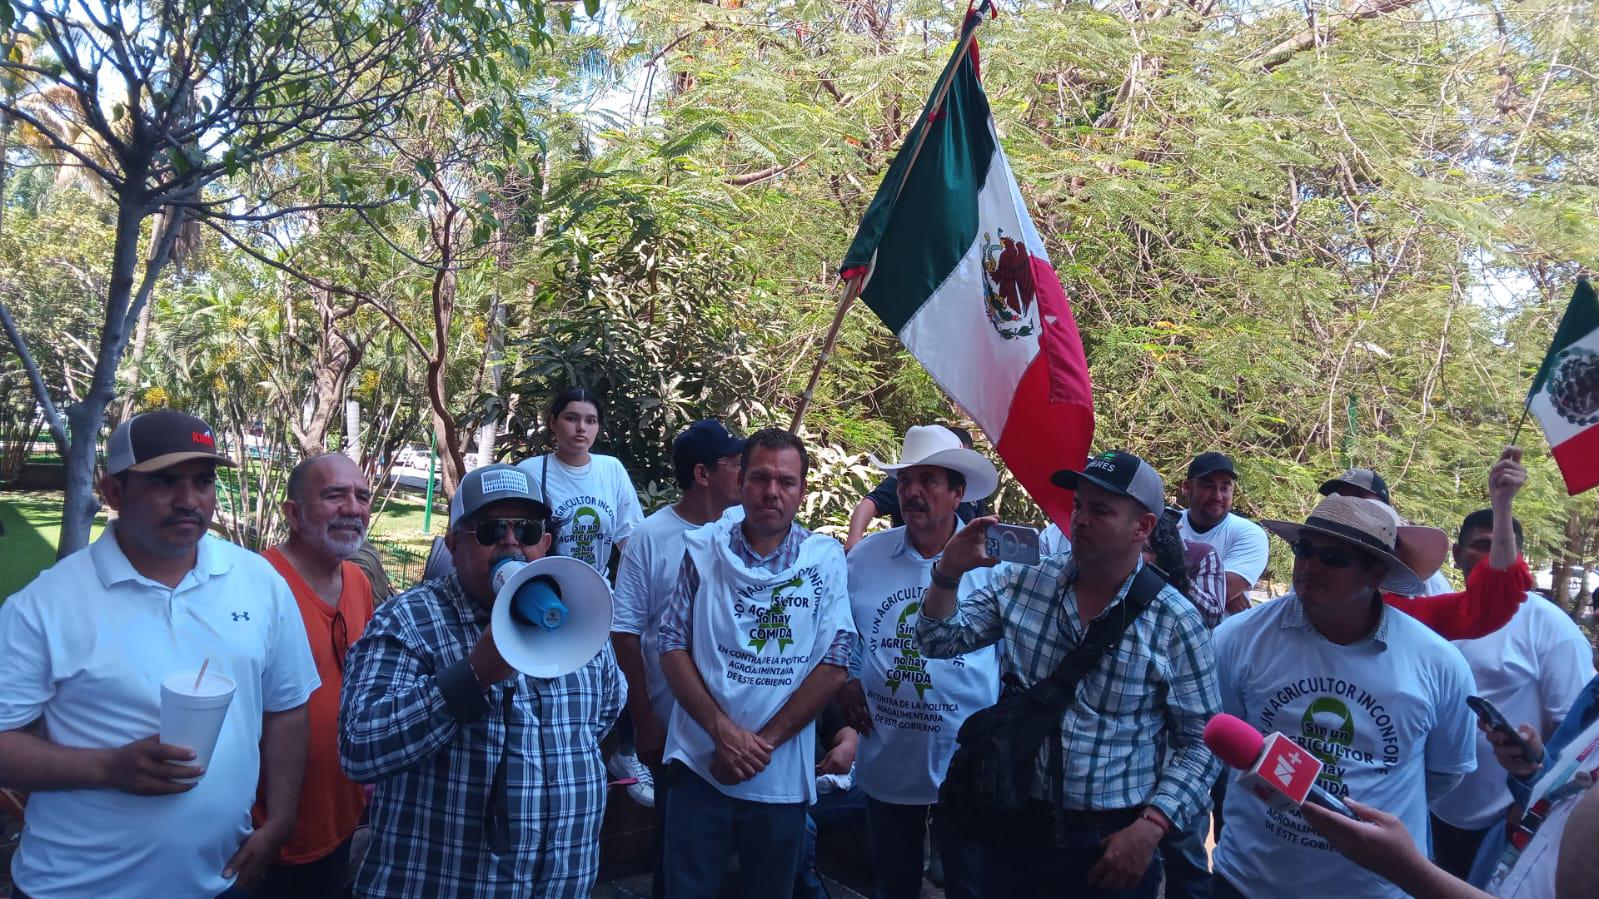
(160, 439)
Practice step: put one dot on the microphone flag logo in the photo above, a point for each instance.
(1292, 769)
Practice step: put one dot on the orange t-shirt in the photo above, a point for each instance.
(330, 803)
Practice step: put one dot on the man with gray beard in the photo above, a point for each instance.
(327, 506)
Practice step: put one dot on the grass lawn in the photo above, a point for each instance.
(32, 522)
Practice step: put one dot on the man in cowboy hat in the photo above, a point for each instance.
(1133, 766)
(1368, 484)
(1374, 694)
(909, 708)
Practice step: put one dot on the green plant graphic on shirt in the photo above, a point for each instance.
(585, 533)
(1327, 727)
(772, 624)
(909, 666)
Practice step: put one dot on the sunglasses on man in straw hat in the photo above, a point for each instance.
(1411, 553)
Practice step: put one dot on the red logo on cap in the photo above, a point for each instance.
(203, 439)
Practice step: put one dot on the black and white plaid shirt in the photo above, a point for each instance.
(434, 775)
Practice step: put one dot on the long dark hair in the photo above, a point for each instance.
(1170, 554)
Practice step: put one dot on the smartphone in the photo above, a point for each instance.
(1012, 543)
(1495, 721)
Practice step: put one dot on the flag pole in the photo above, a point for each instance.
(852, 287)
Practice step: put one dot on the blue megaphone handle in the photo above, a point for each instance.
(538, 602)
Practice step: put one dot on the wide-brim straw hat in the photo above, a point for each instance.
(1412, 553)
(938, 445)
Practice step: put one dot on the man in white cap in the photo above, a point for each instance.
(908, 708)
(1375, 695)
(489, 782)
(84, 650)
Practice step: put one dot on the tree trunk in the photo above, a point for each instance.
(87, 415)
(489, 430)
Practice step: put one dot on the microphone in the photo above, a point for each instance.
(1275, 768)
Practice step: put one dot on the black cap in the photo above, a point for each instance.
(704, 442)
(1363, 479)
(1122, 473)
(1210, 463)
(155, 440)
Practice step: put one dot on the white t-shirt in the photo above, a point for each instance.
(1240, 542)
(757, 635)
(1380, 714)
(917, 704)
(1531, 670)
(595, 505)
(1436, 584)
(1052, 541)
(645, 582)
(85, 647)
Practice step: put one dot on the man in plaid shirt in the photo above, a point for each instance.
(1132, 765)
(489, 783)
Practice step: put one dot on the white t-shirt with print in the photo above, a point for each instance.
(757, 635)
(85, 647)
(1240, 542)
(1531, 670)
(1380, 713)
(594, 505)
(645, 582)
(917, 704)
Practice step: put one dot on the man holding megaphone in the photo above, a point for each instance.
(484, 740)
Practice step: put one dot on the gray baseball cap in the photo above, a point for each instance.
(492, 484)
(1122, 473)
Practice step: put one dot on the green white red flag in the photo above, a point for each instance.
(954, 266)
(1565, 395)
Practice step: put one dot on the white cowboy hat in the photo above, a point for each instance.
(938, 445)
(1412, 553)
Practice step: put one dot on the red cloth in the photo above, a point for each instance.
(330, 803)
(1490, 600)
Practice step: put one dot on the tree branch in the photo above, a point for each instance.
(1277, 54)
(58, 431)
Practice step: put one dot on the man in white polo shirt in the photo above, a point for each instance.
(907, 707)
(83, 652)
(1209, 489)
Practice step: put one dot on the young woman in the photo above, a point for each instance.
(591, 495)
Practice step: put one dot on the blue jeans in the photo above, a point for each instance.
(1187, 866)
(1027, 862)
(839, 809)
(897, 835)
(703, 825)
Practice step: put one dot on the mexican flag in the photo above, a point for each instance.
(1565, 395)
(953, 265)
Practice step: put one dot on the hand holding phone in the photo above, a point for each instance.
(1495, 722)
(1012, 543)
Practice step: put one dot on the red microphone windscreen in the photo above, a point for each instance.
(1234, 741)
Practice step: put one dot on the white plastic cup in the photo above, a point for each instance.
(192, 718)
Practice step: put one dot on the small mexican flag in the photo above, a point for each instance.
(1565, 395)
(954, 267)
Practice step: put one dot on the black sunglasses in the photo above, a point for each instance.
(490, 530)
(1331, 556)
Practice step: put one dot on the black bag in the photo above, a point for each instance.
(990, 777)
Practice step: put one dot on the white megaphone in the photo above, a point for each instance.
(550, 616)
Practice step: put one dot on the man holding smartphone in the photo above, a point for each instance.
(1131, 764)
(908, 708)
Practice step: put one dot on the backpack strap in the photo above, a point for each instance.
(1057, 691)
